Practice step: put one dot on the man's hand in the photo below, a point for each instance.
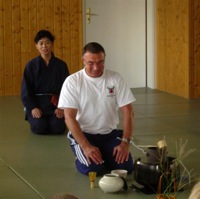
(92, 153)
(121, 152)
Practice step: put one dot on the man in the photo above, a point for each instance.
(90, 99)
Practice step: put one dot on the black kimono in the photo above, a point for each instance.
(41, 86)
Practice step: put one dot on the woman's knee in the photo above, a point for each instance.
(57, 125)
(39, 129)
(39, 125)
(58, 128)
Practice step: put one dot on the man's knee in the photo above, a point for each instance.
(127, 165)
(92, 167)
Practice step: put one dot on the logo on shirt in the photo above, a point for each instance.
(110, 91)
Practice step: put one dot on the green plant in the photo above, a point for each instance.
(174, 174)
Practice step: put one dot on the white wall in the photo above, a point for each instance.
(151, 68)
(125, 20)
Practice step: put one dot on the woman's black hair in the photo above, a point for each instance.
(44, 33)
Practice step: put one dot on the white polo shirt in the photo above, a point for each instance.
(96, 99)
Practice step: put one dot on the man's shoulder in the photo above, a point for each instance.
(112, 73)
(75, 76)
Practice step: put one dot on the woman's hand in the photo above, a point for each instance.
(59, 113)
(36, 113)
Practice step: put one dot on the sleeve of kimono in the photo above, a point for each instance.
(27, 90)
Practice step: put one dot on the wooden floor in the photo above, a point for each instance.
(33, 166)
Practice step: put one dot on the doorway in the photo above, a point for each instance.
(120, 27)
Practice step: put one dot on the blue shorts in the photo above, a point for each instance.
(106, 144)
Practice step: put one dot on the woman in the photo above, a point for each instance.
(42, 81)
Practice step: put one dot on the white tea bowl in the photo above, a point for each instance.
(121, 172)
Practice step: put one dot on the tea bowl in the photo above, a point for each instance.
(121, 172)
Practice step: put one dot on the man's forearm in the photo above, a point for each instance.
(77, 133)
